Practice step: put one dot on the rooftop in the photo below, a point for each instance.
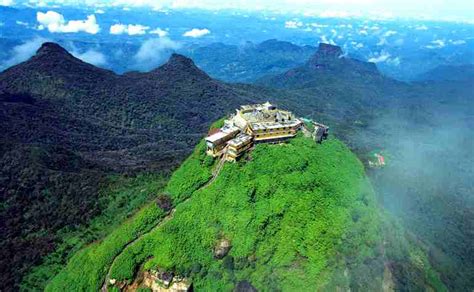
(263, 106)
(216, 137)
(274, 125)
(240, 140)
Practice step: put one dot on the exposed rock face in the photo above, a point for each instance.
(326, 51)
(163, 281)
(222, 248)
(164, 202)
(244, 286)
(331, 57)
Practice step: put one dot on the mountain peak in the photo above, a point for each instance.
(325, 55)
(330, 57)
(328, 50)
(51, 48)
(180, 64)
(178, 59)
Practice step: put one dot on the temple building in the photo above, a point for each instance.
(257, 123)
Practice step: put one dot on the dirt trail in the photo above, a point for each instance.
(216, 171)
(168, 217)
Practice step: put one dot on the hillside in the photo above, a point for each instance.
(425, 128)
(68, 126)
(294, 216)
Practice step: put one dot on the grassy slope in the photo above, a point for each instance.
(87, 268)
(120, 199)
(299, 216)
(295, 213)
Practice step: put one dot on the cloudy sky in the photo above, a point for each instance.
(457, 10)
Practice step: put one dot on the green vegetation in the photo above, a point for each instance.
(297, 215)
(119, 200)
(407, 258)
(87, 268)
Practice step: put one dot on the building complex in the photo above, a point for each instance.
(257, 123)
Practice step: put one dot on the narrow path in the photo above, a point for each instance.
(216, 170)
(168, 217)
(164, 220)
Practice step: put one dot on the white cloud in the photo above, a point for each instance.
(293, 24)
(325, 40)
(389, 33)
(137, 29)
(7, 3)
(314, 24)
(158, 31)
(436, 44)
(23, 52)
(421, 27)
(363, 32)
(457, 42)
(380, 57)
(382, 42)
(55, 22)
(196, 33)
(91, 56)
(99, 11)
(152, 51)
(394, 61)
(131, 29)
(118, 29)
(22, 23)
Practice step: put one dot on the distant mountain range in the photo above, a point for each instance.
(248, 62)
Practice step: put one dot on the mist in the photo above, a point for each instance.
(429, 181)
(23, 52)
(153, 52)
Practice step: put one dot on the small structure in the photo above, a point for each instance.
(217, 141)
(320, 133)
(377, 160)
(256, 123)
(237, 146)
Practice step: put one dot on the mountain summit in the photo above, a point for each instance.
(50, 48)
(332, 58)
(179, 66)
(326, 52)
(328, 64)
